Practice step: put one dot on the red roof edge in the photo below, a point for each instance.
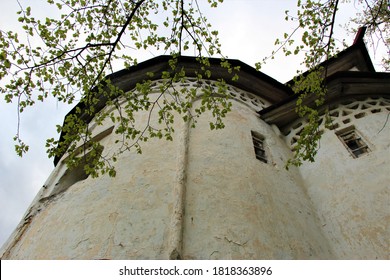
(360, 35)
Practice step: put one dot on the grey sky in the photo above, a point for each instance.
(248, 29)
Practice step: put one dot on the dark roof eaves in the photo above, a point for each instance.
(358, 46)
(338, 80)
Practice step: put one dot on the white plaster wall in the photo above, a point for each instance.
(126, 217)
(235, 207)
(238, 207)
(352, 195)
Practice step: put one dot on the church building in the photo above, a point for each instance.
(226, 194)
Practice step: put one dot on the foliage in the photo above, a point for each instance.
(376, 17)
(71, 56)
(315, 23)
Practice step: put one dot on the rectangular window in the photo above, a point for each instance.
(353, 142)
(258, 144)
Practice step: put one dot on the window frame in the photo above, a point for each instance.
(259, 145)
(353, 141)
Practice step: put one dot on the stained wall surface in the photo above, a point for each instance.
(352, 195)
(126, 217)
(238, 207)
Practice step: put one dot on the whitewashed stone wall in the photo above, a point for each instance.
(204, 195)
(352, 195)
(238, 207)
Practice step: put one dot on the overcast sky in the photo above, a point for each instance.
(247, 28)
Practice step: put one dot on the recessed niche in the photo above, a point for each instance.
(346, 121)
(360, 115)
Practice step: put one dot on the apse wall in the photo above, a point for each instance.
(239, 207)
(351, 191)
(126, 217)
(203, 195)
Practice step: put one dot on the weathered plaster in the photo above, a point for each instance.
(352, 195)
(240, 208)
(204, 195)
